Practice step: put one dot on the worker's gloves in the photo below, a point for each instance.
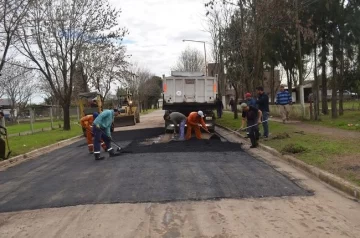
(97, 126)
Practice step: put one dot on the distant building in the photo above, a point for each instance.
(5, 107)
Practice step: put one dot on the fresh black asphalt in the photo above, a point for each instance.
(177, 171)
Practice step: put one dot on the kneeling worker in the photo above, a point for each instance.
(177, 118)
(102, 130)
(194, 120)
(253, 117)
(86, 122)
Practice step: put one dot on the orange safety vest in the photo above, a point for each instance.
(87, 121)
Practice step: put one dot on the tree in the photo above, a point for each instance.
(152, 91)
(19, 86)
(190, 60)
(12, 14)
(57, 34)
(110, 66)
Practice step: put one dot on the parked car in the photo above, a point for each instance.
(348, 94)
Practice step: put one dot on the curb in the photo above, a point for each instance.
(324, 176)
(32, 154)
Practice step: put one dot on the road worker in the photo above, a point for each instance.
(102, 130)
(177, 118)
(86, 122)
(252, 116)
(194, 121)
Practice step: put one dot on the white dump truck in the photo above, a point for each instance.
(187, 92)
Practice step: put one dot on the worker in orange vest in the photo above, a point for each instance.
(86, 122)
(194, 120)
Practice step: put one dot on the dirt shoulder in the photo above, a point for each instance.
(321, 130)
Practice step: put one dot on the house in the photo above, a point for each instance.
(5, 107)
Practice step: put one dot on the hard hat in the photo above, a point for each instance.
(95, 114)
(200, 113)
(243, 105)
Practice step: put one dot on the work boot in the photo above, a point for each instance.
(98, 157)
(112, 152)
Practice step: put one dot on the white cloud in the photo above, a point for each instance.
(157, 28)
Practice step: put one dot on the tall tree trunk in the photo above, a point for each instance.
(334, 80)
(272, 82)
(341, 81)
(316, 88)
(66, 110)
(236, 116)
(325, 108)
(289, 81)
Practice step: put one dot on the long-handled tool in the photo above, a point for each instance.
(213, 136)
(244, 129)
(8, 146)
(118, 147)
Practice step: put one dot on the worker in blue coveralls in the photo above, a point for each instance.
(102, 130)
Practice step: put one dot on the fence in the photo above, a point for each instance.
(296, 109)
(38, 119)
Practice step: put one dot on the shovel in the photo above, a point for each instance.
(213, 136)
(118, 147)
(8, 147)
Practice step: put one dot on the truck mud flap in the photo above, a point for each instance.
(124, 121)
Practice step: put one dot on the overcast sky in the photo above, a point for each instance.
(157, 28)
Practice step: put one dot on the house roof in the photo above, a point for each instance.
(5, 102)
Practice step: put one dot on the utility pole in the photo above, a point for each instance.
(301, 81)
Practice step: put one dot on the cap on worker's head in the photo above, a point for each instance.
(200, 113)
(95, 114)
(243, 105)
(248, 95)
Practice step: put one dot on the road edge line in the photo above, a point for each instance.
(35, 153)
(331, 179)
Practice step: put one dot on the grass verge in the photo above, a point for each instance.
(336, 155)
(25, 126)
(24, 144)
(349, 121)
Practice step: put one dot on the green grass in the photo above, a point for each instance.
(25, 126)
(228, 120)
(321, 151)
(23, 144)
(342, 122)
